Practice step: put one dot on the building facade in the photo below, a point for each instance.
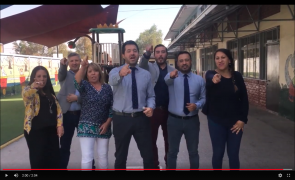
(261, 39)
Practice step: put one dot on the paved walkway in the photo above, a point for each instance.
(268, 143)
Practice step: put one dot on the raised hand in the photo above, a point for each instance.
(125, 70)
(63, 61)
(149, 49)
(174, 74)
(85, 63)
(216, 78)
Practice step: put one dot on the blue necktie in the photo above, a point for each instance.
(186, 95)
(134, 89)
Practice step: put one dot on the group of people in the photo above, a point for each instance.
(137, 100)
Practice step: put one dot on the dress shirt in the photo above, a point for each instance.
(197, 90)
(122, 90)
(75, 106)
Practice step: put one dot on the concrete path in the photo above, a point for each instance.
(268, 143)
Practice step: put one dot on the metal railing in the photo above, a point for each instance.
(106, 53)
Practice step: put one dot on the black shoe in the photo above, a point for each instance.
(93, 165)
(157, 167)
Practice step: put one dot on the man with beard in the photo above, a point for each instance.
(186, 97)
(158, 71)
(134, 102)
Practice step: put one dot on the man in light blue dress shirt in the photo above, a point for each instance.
(134, 102)
(186, 97)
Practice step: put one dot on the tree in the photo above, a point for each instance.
(34, 49)
(62, 48)
(84, 47)
(149, 36)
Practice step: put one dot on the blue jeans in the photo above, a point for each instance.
(176, 128)
(220, 136)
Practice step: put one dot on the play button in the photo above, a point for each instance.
(6, 175)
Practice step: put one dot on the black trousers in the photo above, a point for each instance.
(70, 123)
(43, 147)
(124, 127)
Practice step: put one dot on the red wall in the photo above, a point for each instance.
(256, 91)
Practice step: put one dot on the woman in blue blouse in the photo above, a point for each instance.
(96, 114)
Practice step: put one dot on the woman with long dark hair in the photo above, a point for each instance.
(43, 120)
(226, 108)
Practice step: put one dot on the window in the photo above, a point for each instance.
(233, 47)
(257, 57)
(207, 58)
(203, 8)
(194, 17)
(202, 59)
(249, 52)
(194, 60)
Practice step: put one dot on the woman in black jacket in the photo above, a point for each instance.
(226, 108)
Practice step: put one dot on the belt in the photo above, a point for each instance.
(161, 107)
(74, 112)
(134, 114)
(182, 117)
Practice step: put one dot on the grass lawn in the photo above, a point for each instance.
(12, 116)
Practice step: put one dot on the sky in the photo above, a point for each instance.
(138, 19)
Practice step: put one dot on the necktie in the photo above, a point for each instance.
(134, 89)
(186, 95)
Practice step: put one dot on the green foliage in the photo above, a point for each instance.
(151, 36)
(34, 49)
(84, 47)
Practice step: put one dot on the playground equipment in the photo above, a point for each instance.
(107, 55)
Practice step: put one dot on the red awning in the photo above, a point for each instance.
(51, 25)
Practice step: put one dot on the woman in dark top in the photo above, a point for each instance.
(43, 120)
(226, 108)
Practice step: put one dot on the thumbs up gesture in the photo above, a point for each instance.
(125, 70)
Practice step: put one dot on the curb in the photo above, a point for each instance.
(11, 141)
